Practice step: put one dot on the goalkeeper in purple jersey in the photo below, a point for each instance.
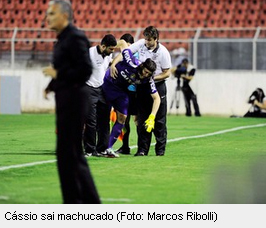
(131, 73)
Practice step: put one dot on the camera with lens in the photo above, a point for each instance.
(179, 71)
(256, 95)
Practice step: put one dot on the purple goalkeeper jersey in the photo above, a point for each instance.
(127, 73)
(116, 90)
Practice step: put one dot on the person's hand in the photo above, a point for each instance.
(45, 94)
(49, 71)
(113, 71)
(149, 123)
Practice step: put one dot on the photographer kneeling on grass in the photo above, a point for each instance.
(258, 101)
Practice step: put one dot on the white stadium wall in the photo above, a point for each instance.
(219, 92)
(33, 84)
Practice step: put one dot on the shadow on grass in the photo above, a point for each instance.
(34, 152)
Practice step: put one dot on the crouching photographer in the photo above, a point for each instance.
(258, 104)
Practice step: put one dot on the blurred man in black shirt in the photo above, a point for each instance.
(71, 68)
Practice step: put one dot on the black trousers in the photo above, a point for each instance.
(188, 97)
(125, 141)
(144, 109)
(76, 181)
(256, 114)
(97, 127)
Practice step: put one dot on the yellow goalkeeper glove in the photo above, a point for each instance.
(149, 123)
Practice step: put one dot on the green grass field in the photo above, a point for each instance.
(194, 170)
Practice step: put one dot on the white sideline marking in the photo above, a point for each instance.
(210, 134)
(135, 146)
(25, 165)
(4, 197)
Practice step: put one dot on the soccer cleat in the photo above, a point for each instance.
(87, 154)
(122, 150)
(160, 154)
(109, 153)
(96, 154)
(140, 154)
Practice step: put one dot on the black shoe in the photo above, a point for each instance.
(87, 154)
(140, 154)
(160, 154)
(122, 150)
(96, 154)
(197, 114)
